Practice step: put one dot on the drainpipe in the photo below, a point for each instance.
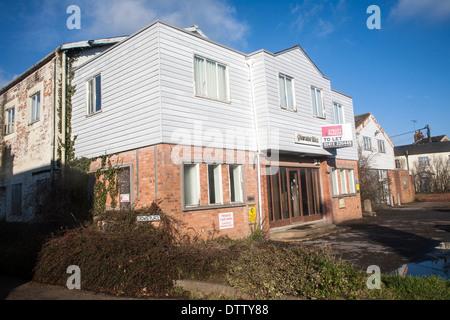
(63, 108)
(250, 66)
(55, 108)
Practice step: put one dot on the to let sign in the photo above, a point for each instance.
(337, 136)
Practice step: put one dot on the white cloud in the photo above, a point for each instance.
(216, 18)
(5, 78)
(432, 11)
(319, 18)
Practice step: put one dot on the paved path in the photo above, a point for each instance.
(394, 237)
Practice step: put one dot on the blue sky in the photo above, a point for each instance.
(400, 72)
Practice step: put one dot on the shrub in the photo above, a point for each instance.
(270, 271)
(125, 258)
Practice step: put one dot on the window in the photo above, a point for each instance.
(191, 185)
(381, 146)
(94, 94)
(367, 143)
(16, 198)
(398, 164)
(211, 80)
(235, 183)
(338, 113)
(286, 92)
(344, 181)
(35, 107)
(334, 182)
(215, 184)
(351, 181)
(317, 102)
(424, 162)
(9, 126)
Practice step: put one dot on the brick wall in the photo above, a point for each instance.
(344, 207)
(401, 185)
(168, 187)
(433, 197)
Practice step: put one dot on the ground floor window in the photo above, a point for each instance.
(345, 184)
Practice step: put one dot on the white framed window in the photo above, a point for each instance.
(334, 182)
(338, 113)
(424, 161)
(191, 184)
(367, 143)
(236, 182)
(10, 120)
(215, 183)
(351, 181)
(35, 107)
(344, 181)
(287, 100)
(318, 104)
(381, 147)
(94, 94)
(211, 79)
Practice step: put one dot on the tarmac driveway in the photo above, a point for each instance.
(397, 236)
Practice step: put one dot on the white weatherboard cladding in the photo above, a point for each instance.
(206, 122)
(130, 98)
(272, 118)
(378, 160)
(350, 153)
(148, 97)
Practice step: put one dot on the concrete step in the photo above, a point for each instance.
(305, 232)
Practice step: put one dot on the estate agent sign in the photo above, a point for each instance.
(337, 136)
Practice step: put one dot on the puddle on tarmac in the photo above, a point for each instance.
(439, 267)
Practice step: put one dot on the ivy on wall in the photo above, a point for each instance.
(68, 143)
(106, 183)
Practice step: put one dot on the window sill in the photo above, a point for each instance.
(214, 206)
(291, 110)
(212, 99)
(345, 195)
(321, 118)
(93, 113)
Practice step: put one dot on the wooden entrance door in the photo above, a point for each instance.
(294, 196)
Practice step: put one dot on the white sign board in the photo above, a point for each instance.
(337, 136)
(309, 139)
(226, 220)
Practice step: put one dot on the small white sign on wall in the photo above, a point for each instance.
(226, 220)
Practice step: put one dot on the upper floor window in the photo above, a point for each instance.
(381, 147)
(211, 79)
(424, 162)
(35, 107)
(9, 126)
(94, 94)
(338, 113)
(286, 92)
(317, 102)
(367, 141)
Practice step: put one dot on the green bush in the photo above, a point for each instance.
(415, 288)
(122, 257)
(271, 271)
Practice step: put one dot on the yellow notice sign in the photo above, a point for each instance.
(251, 214)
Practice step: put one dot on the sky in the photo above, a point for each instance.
(399, 72)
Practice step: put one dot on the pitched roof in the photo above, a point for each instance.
(423, 148)
(360, 118)
(440, 138)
